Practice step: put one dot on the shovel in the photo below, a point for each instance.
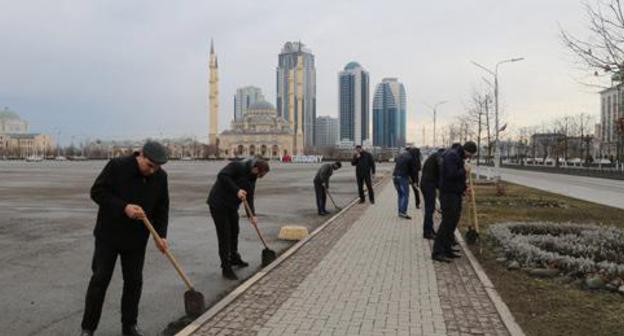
(268, 255)
(332, 199)
(472, 236)
(194, 303)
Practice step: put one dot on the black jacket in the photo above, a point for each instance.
(431, 169)
(452, 172)
(120, 183)
(323, 174)
(408, 165)
(233, 177)
(364, 165)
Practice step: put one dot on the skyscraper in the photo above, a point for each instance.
(296, 89)
(214, 96)
(353, 85)
(326, 132)
(389, 114)
(245, 97)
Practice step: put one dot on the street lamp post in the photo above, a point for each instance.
(496, 124)
(435, 116)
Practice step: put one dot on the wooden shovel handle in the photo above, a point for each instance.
(249, 215)
(177, 266)
(474, 203)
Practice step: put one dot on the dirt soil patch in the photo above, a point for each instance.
(545, 307)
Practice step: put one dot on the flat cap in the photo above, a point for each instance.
(156, 152)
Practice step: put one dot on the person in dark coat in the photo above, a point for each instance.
(235, 182)
(406, 171)
(364, 167)
(414, 178)
(321, 185)
(452, 187)
(429, 185)
(127, 190)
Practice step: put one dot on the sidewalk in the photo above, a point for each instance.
(367, 273)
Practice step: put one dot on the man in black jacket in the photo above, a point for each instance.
(405, 172)
(364, 167)
(452, 187)
(235, 182)
(429, 185)
(128, 190)
(321, 185)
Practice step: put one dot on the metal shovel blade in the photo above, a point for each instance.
(268, 256)
(194, 303)
(472, 236)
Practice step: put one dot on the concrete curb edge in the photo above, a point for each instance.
(502, 309)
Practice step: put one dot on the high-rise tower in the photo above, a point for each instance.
(389, 114)
(214, 96)
(353, 92)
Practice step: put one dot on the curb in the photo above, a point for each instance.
(233, 295)
(502, 309)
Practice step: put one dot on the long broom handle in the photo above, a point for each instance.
(330, 197)
(177, 266)
(249, 214)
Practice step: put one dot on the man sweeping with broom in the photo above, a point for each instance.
(452, 188)
(321, 185)
(236, 183)
(127, 191)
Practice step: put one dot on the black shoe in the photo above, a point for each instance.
(86, 333)
(417, 206)
(405, 216)
(239, 262)
(132, 331)
(452, 255)
(362, 201)
(229, 274)
(454, 243)
(322, 213)
(429, 235)
(372, 201)
(440, 258)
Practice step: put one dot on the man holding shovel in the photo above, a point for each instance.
(452, 188)
(235, 182)
(321, 185)
(127, 190)
(429, 185)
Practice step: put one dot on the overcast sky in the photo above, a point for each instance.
(131, 69)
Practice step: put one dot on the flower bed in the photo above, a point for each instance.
(571, 248)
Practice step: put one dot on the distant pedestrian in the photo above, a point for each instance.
(127, 190)
(364, 167)
(235, 182)
(452, 187)
(321, 185)
(406, 171)
(429, 185)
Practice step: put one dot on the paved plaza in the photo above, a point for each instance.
(368, 272)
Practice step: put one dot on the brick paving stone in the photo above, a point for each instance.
(368, 273)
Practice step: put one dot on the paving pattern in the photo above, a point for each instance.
(368, 273)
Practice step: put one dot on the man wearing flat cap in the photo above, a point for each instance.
(127, 190)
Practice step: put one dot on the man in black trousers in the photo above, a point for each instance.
(364, 167)
(429, 185)
(235, 182)
(128, 190)
(452, 187)
(321, 185)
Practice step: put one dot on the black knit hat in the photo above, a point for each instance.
(470, 147)
(337, 164)
(155, 152)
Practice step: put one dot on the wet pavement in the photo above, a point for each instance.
(46, 241)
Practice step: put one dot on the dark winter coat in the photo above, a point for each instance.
(235, 176)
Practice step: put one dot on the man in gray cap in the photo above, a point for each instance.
(127, 190)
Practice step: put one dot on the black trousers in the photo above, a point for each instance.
(103, 265)
(226, 222)
(451, 211)
(416, 194)
(365, 178)
(321, 196)
(428, 189)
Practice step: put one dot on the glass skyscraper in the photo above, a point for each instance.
(389, 114)
(244, 98)
(288, 61)
(353, 85)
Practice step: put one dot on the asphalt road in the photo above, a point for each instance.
(597, 190)
(46, 242)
